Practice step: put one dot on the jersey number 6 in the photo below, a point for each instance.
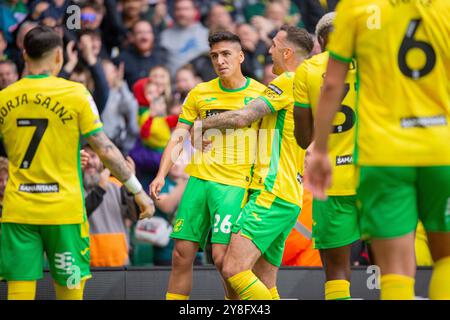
(41, 126)
(409, 43)
(349, 114)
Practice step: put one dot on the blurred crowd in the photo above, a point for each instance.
(139, 59)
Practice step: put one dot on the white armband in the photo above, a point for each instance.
(133, 185)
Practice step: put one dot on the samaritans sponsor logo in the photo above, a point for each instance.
(423, 122)
(38, 187)
(178, 225)
(343, 160)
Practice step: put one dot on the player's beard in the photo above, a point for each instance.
(90, 181)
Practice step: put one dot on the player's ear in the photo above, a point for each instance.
(241, 56)
(59, 55)
(25, 56)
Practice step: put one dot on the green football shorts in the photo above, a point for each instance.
(66, 247)
(335, 222)
(267, 220)
(207, 206)
(392, 199)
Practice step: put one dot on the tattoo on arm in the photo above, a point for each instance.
(243, 117)
(110, 156)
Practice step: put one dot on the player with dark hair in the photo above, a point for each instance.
(256, 248)
(42, 120)
(217, 186)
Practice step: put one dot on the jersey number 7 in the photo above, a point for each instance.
(41, 126)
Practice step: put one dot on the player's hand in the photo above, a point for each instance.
(84, 158)
(145, 205)
(198, 139)
(318, 174)
(155, 187)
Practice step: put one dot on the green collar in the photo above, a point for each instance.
(37, 76)
(235, 90)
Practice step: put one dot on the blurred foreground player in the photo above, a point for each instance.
(335, 225)
(43, 211)
(402, 137)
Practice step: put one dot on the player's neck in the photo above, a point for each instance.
(234, 82)
(39, 71)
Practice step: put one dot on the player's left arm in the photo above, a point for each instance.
(241, 118)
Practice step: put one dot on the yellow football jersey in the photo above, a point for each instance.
(233, 151)
(307, 85)
(402, 50)
(279, 161)
(41, 118)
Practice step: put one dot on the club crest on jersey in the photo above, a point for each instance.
(247, 100)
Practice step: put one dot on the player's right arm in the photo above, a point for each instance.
(90, 127)
(175, 146)
(303, 118)
(170, 155)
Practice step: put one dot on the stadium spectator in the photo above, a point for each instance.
(312, 10)
(88, 67)
(15, 52)
(42, 9)
(219, 19)
(109, 241)
(13, 13)
(142, 54)
(268, 74)
(187, 39)
(92, 15)
(8, 73)
(255, 51)
(3, 180)
(274, 17)
(185, 80)
(121, 111)
(131, 12)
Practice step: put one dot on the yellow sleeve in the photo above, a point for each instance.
(301, 96)
(88, 117)
(342, 38)
(189, 110)
(276, 95)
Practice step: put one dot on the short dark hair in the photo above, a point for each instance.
(220, 36)
(40, 40)
(299, 37)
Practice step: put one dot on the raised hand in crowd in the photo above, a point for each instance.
(72, 57)
(87, 49)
